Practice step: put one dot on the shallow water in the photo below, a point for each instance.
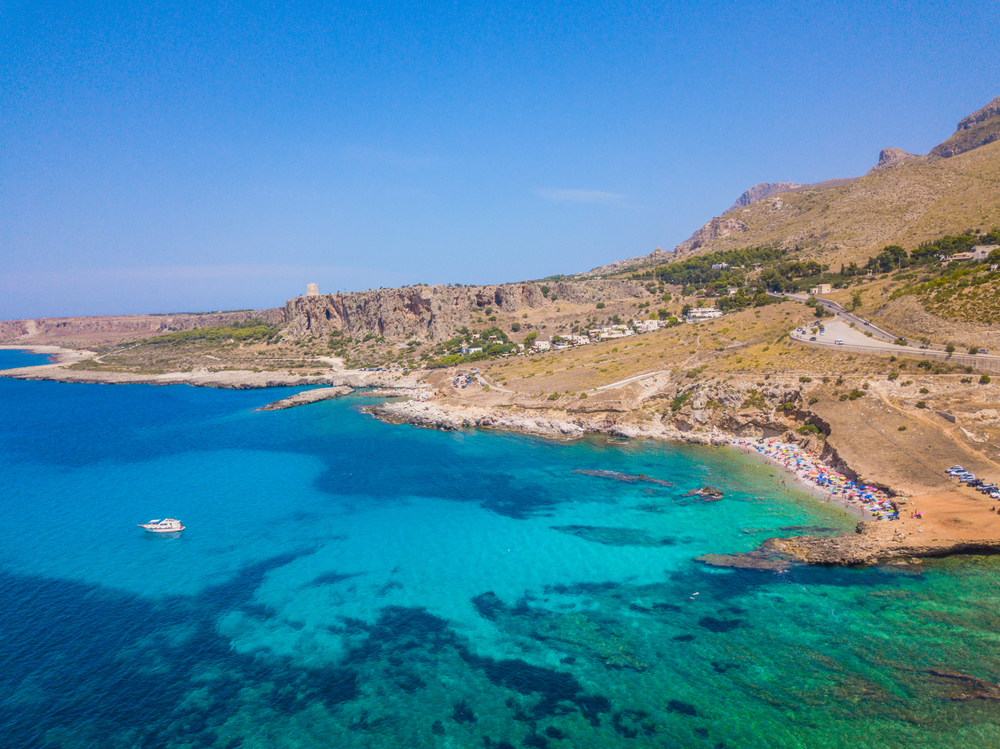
(343, 582)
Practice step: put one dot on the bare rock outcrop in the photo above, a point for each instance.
(656, 257)
(763, 190)
(435, 312)
(980, 128)
(717, 228)
(892, 157)
(308, 396)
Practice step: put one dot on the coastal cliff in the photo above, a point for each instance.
(436, 312)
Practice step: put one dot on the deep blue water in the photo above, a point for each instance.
(343, 582)
(13, 358)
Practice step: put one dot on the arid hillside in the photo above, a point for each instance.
(904, 200)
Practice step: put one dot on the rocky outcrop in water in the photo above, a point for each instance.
(309, 396)
(873, 542)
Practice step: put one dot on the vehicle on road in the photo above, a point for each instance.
(812, 338)
(839, 342)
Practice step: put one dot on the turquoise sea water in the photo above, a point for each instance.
(346, 583)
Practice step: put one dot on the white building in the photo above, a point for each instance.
(704, 313)
(823, 288)
(471, 349)
(312, 289)
(542, 345)
(646, 326)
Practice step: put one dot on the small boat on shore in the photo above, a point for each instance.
(167, 525)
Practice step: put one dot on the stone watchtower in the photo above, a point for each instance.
(312, 289)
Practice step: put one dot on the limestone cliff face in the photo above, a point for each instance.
(435, 312)
(892, 157)
(718, 228)
(980, 128)
(763, 190)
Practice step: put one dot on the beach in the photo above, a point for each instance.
(823, 481)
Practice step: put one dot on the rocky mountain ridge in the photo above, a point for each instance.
(435, 312)
(904, 199)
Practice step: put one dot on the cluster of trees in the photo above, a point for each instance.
(698, 270)
(493, 342)
(249, 330)
(895, 257)
(785, 276)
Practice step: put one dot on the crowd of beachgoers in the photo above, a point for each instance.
(833, 485)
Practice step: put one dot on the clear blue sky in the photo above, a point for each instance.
(163, 156)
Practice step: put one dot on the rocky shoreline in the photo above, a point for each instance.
(308, 396)
(225, 379)
(541, 422)
(872, 542)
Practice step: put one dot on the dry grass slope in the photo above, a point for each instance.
(916, 202)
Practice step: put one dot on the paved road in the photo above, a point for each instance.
(877, 333)
(842, 314)
(855, 340)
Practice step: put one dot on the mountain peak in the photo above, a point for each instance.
(978, 129)
(763, 190)
(890, 157)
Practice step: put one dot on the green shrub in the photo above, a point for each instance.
(921, 404)
(600, 305)
(902, 428)
(894, 375)
(984, 380)
(808, 429)
(805, 379)
(678, 402)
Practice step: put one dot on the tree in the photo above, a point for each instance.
(530, 338)
(950, 348)
(855, 299)
(686, 310)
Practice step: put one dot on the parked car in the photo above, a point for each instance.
(812, 338)
(839, 342)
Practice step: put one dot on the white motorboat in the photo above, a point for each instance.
(167, 525)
